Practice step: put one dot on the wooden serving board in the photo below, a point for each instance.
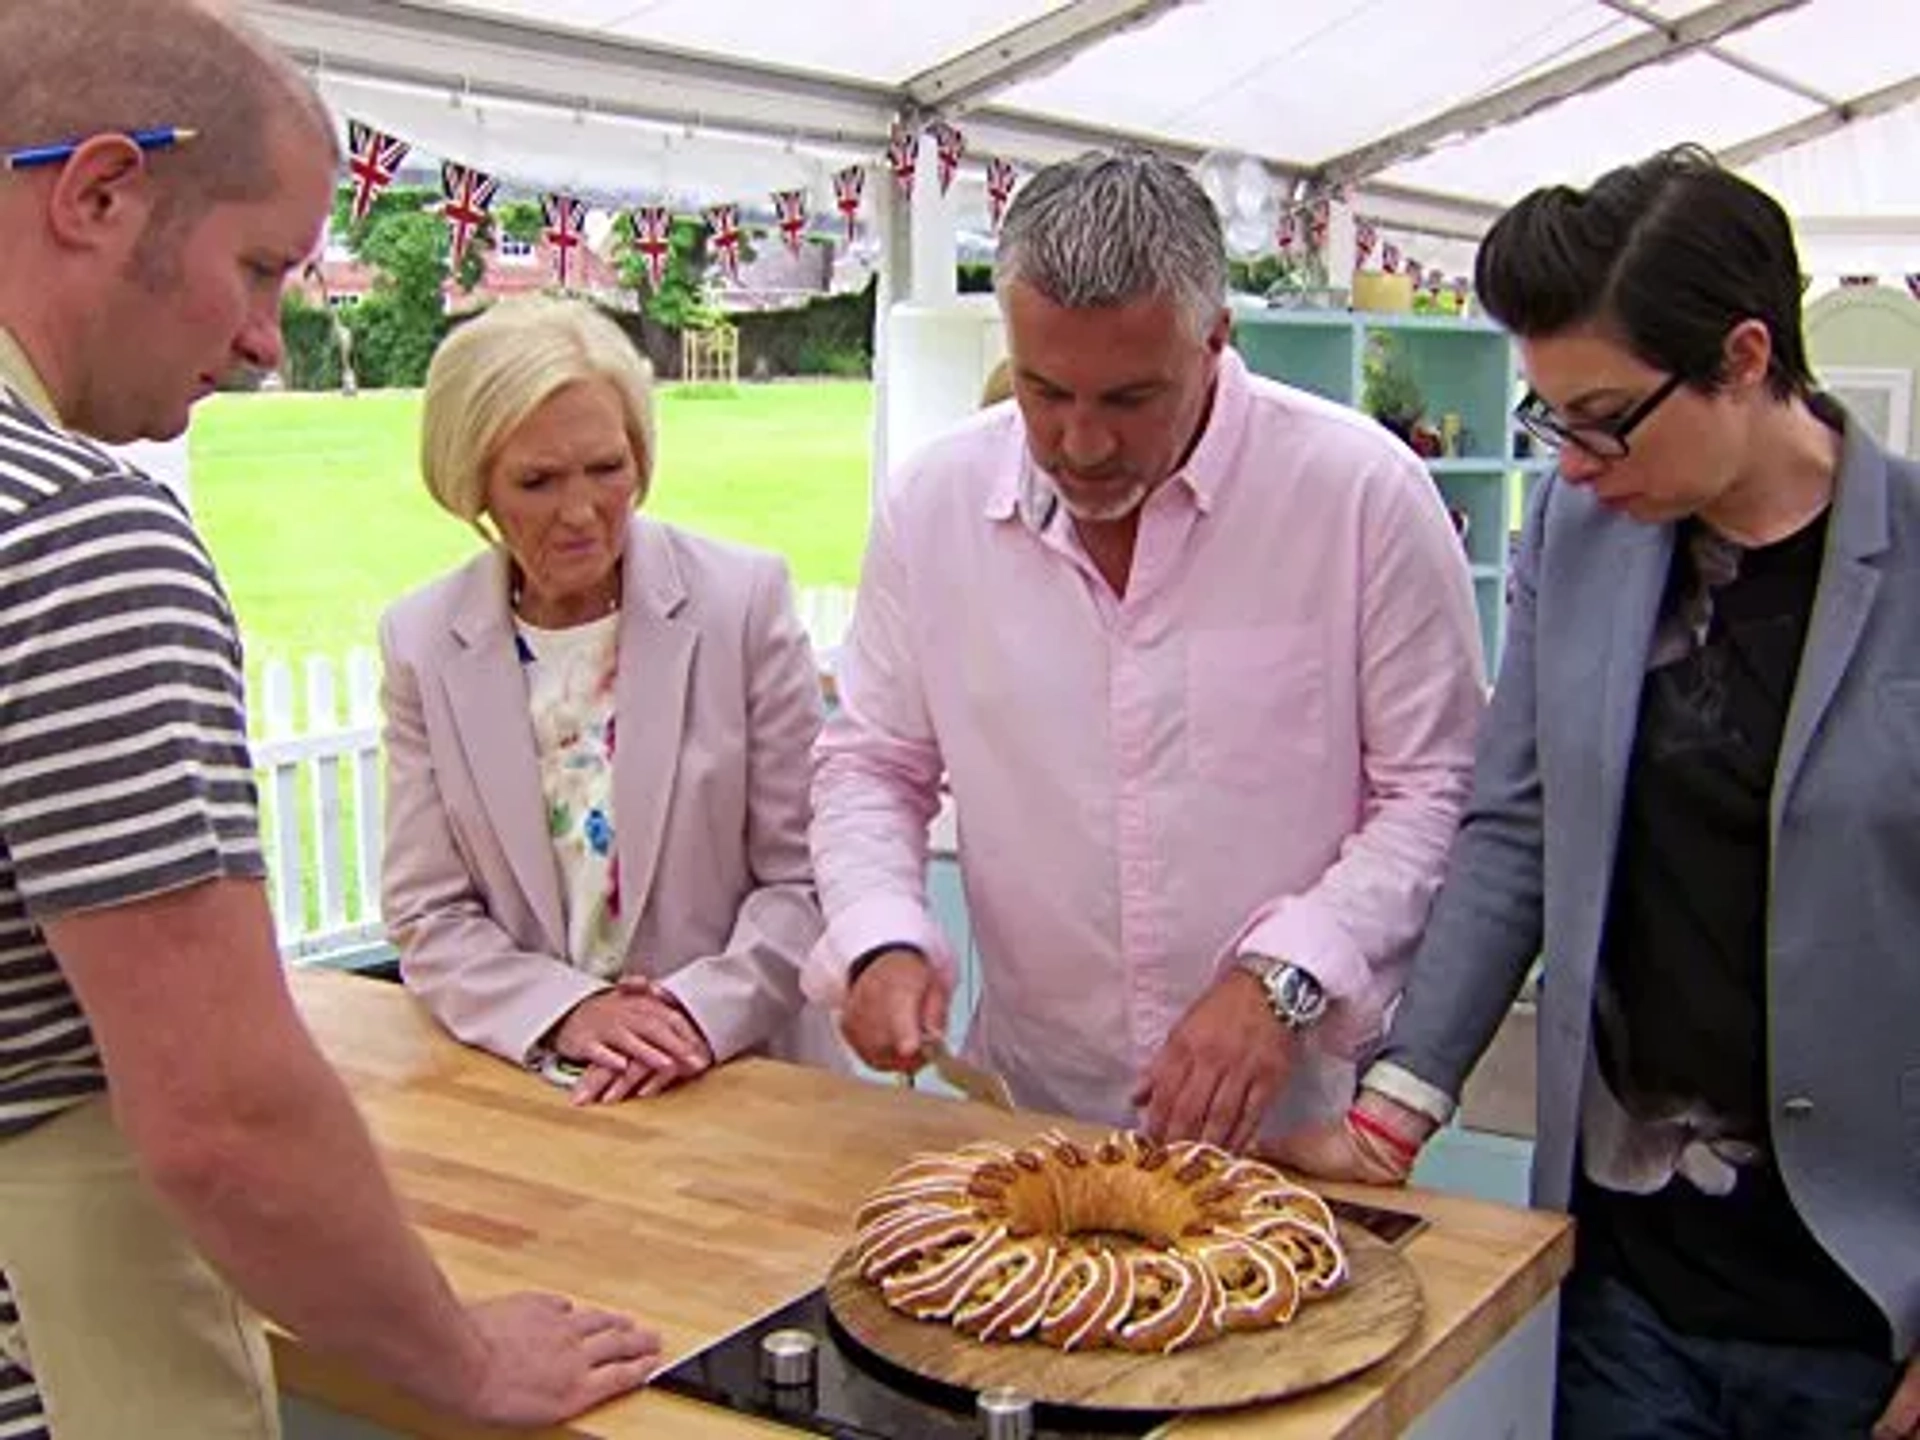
(1327, 1340)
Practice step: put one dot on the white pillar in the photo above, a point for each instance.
(892, 220)
(936, 345)
(1342, 249)
(935, 222)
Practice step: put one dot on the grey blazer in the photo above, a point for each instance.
(1534, 858)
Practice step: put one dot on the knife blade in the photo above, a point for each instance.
(970, 1080)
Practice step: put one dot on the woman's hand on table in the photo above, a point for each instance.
(546, 1360)
(635, 1040)
(1375, 1143)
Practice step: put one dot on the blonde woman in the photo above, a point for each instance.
(597, 735)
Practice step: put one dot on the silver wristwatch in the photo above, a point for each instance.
(1295, 997)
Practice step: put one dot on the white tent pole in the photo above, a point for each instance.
(1577, 77)
(935, 226)
(408, 42)
(1838, 117)
(1733, 58)
(1041, 44)
(893, 223)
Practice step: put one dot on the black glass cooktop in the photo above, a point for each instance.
(858, 1395)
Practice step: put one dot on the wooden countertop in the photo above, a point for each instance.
(704, 1209)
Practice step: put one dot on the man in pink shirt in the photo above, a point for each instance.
(1197, 655)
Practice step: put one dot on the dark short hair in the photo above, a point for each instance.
(1668, 254)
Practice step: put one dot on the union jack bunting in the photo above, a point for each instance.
(1390, 258)
(1365, 239)
(790, 208)
(1286, 234)
(847, 186)
(1001, 178)
(468, 204)
(653, 238)
(903, 156)
(1320, 223)
(949, 145)
(566, 223)
(724, 220)
(374, 159)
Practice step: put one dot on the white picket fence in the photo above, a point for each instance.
(318, 768)
(319, 775)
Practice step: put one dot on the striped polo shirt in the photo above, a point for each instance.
(124, 769)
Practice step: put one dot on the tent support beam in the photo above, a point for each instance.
(1835, 117)
(1041, 44)
(1763, 73)
(507, 57)
(1578, 77)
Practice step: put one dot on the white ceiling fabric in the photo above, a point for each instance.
(749, 96)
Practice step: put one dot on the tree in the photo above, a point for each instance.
(313, 351)
(403, 318)
(521, 220)
(682, 302)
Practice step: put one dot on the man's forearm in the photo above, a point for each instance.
(287, 1199)
(873, 802)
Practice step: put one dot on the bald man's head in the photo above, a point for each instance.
(135, 280)
(73, 68)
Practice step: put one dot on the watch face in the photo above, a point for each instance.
(1296, 995)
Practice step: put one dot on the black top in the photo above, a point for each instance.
(1681, 1018)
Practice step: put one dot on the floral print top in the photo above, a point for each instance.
(570, 692)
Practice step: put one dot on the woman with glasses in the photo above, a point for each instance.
(1696, 795)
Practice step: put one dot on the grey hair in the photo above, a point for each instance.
(1106, 229)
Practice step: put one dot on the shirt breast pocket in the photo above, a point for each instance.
(1256, 702)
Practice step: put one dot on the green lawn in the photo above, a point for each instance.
(315, 512)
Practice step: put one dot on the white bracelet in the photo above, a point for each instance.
(1406, 1088)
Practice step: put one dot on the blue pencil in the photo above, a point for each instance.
(158, 138)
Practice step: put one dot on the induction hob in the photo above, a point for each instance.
(858, 1395)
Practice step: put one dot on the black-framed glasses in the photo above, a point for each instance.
(1602, 439)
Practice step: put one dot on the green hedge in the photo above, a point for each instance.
(832, 336)
(829, 336)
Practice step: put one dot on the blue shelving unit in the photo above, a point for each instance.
(1463, 368)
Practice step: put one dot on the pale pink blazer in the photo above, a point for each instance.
(718, 704)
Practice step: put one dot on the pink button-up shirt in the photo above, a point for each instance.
(1263, 747)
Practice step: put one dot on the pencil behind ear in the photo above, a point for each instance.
(101, 197)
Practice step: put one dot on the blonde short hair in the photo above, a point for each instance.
(494, 371)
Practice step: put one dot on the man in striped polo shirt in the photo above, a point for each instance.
(167, 1127)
